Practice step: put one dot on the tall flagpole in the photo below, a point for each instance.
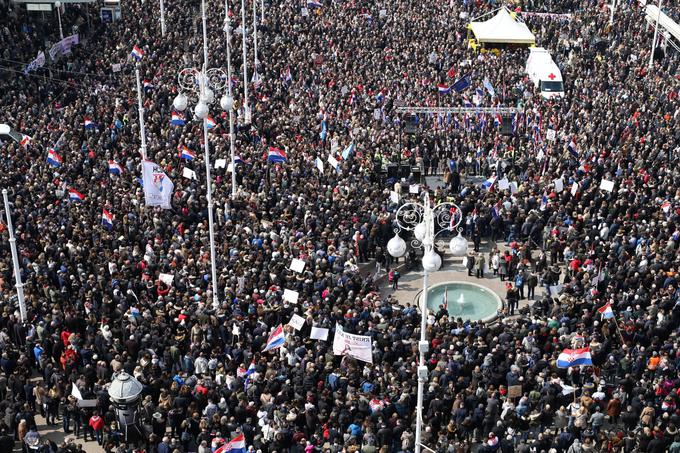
(162, 18)
(246, 107)
(255, 62)
(227, 30)
(656, 35)
(140, 109)
(15, 259)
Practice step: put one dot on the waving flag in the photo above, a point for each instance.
(276, 339)
(238, 160)
(489, 183)
(186, 154)
(489, 87)
(666, 206)
(75, 196)
(148, 86)
(348, 151)
(446, 298)
(107, 219)
(235, 445)
(25, 140)
(314, 4)
(137, 53)
(88, 123)
(53, 158)
(177, 119)
(462, 83)
(276, 155)
(115, 168)
(324, 131)
(210, 122)
(443, 89)
(574, 357)
(157, 186)
(606, 311)
(249, 371)
(571, 146)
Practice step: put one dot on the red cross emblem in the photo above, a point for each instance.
(552, 76)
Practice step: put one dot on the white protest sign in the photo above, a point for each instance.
(356, 346)
(574, 189)
(297, 265)
(319, 164)
(319, 333)
(188, 173)
(413, 188)
(503, 184)
(115, 67)
(296, 321)
(513, 187)
(333, 161)
(394, 196)
(76, 393)
(559, 185)
(555, 290)
(550, 135)
(290, 296)
(382, 13)
(305, 12)
(220, 163)
(166, 278)
(607, 185)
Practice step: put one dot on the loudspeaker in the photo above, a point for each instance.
(392, 171)
(416, 173)
(405, 171)
(506, 126)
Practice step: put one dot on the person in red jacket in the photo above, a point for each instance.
(97, 425)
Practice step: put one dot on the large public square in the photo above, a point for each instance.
(339, 226)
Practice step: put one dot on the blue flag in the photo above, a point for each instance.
(462, 83)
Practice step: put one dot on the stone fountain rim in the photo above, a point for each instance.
(499, 301)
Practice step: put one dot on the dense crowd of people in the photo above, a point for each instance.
(331, 76)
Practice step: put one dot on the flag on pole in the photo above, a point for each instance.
(25, 140)
(606, 311)
(666, 206)
(177, 119)
(115, 168)
(324, 131)
(107, 219)
(53, 158)
(276, 155)
(88, 123)
(186, 154)
(276, 339)
(235, 445)
(348, 151)
(443, 88)
(489, 87)
(249, 371)
(210, 122)
(574, 357)
(489, 183)
(462, 83)
(571, 146)
(75, 196)
(238, 160)
(148, 85)
(314, 4)
(446, 299)
(137, 53)
(157, 186)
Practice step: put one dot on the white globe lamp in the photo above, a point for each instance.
(396, 246)
(208, 96)
(180, 102)
(419, 231)
(458, 245)
(201, 110)
(431, 261)
(227, 103)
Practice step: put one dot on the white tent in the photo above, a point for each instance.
(502, 29)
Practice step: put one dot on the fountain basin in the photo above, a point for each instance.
(468, 301)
